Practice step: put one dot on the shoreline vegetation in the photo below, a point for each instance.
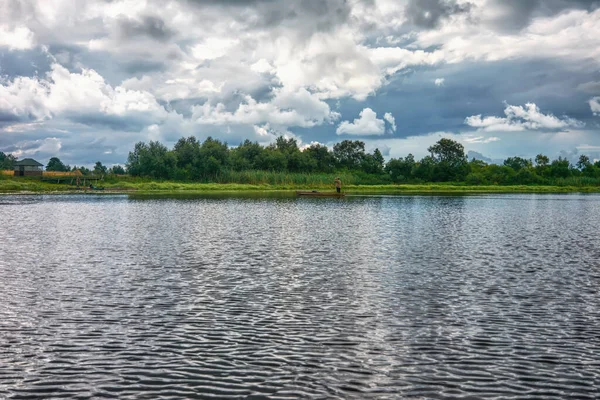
(129, 186)
(212, 166)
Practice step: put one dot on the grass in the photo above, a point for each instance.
(279, 182)
(459, 188)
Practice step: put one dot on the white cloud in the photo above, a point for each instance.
(77, 96)
(366, 124)
(262, 66)
(24, 97)
(262, 131)
(19, 38)
(595, 105)
(232, 46)
(479, 139)
(439, 81)
(393, 59)
(287, 109)
(391, 120)
(573, 36)
(587, 147)
(27, 148)
(519, 118)
(312, 143)
(212, 48)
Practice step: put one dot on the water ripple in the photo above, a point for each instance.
(249, 298)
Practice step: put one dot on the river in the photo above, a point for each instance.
(445, 297)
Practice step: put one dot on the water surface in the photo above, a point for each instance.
(473, 297)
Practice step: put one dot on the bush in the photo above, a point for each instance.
(475, 179)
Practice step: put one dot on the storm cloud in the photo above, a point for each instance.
(151, 26)
(517, 14)
(85, 83)
(305, 16)
(429, 13)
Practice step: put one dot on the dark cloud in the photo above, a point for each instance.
(115, 123)
(149, 26)
(517, 14)
(89, 152)
(511, 14)
(428, 13)
(305, 15)
(475, 88)
(110, 67)
(592, 87)
(7, 119)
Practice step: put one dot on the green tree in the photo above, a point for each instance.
(373, 163)
(525, 176)
(81, 169)
(349, 154)
(477, 174)
(54, 164)
(450, 159)
(560, 168)
(298, 161)
(245, 156)
(541, 160)
(271, 159)
(517, 163)
(583, 162)
(116, 170)
(7, 161)
(187, 154)
(400, 170)
(100, 169)
(214, 156)
(153, 160)
(587, 168)
(286, 145)
(477, 166)
(322, 156)
(542, 165)
(499, 174)
(424, 169)
(187, 151)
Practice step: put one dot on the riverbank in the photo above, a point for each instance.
(33, 187)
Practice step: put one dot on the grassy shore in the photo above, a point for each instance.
(21, 185)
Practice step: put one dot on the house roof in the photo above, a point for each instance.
(28, 162)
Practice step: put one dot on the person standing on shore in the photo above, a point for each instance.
(338, 185)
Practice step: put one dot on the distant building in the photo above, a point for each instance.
(28, 167)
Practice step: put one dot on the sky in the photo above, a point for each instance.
(85, 80)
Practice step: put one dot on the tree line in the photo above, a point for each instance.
(192, 160)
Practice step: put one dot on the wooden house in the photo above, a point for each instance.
(28, 167)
